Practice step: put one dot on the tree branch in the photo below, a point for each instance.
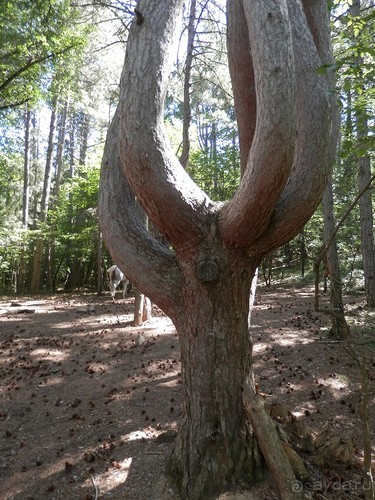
(157, 178)
(315, 139)
(247, 215)
(147, 263)
(242, 77)
(14, 104)
(30, 63)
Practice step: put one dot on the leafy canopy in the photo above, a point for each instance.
(34, 36)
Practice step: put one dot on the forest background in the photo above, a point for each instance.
(60, 64)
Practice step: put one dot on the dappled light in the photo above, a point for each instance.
(110, 479)
(80, 395)
(88, 402)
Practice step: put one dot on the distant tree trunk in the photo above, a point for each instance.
(60, 148)
(99, 263)
(39, 245)
(340, 328)
(84, 136)
(142, 308)
(61, 125)
(70, 263)
(367, 228)
(339, 325)
(303, 252)
(186, 114)
(365, 202)
(26, 171)
(142, 304)
(25, 201)
(213, 151)
(34, 168)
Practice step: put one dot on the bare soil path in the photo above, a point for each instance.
(89, 404)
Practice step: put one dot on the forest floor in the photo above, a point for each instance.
(89, 404)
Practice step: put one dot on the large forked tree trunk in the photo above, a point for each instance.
(215, 445)
(284, 118)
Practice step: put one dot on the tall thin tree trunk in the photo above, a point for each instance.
(99, 263)
(142, 304)
(85, 129)
(39, 246)
(70, 281)
(61, 124)
(60, 149)
(303, 252)
(25, 201)
(26, 171)
(365, 202)
(340, 327)
(35, 167)
(186, 120)
(367, 229)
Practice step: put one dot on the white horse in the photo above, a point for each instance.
(116, 276)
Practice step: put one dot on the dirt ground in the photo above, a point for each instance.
(89, 404)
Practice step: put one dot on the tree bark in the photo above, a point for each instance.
(204, 283)
(186, 113)
(367, 229)
(340, 328)
(265, 431)
(25, 201)
(39, 244)
(26, 171)
(365, 202)
(214, 446)
(60, 149)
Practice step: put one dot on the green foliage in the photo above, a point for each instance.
(73, 224)
(35, 38)
(219, 176)
(10, 182)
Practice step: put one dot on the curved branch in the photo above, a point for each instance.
(242, 77)
(314, 150)
(147, 263)
(158, 179)
(247, 215)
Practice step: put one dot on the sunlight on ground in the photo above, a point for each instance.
(171, 383)
(158, 326)
(337, 383)
(110, 479)
(50, 354)
(52, 381)
(282, 339)
(285, 339)
(140, 434)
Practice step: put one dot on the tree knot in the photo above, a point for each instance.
(208, 270)
(139, 17)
